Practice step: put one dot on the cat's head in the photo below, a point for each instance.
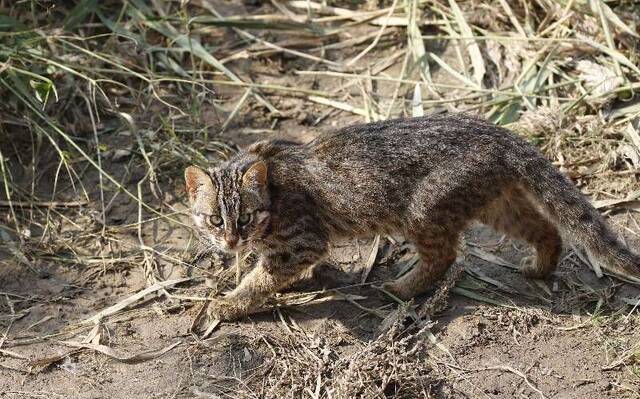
(229, 204)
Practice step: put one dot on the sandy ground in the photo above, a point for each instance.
(500, 336)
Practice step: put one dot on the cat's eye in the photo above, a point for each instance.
(215, 220)
(244, 218)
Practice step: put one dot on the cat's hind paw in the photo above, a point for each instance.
(530, 269)
(398, 290)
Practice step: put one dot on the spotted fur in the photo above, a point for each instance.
(427, 178)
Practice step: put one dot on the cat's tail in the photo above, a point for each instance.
(573, 214)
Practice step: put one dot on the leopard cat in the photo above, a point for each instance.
(426, 178)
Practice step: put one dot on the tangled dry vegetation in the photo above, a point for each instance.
(105, 103)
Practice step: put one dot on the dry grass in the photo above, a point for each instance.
(104, 103)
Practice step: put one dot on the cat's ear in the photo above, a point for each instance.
(196, 180)
(256, 175)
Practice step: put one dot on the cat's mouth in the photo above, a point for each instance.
(232, 247)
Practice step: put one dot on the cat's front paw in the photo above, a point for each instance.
(224, 309)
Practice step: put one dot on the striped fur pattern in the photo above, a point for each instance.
(427, 178)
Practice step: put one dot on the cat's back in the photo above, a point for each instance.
(389, 155)
(436, 136)
(446, 134)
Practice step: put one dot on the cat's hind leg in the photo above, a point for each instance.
(443, 204)
(437, 253)
(515, 215)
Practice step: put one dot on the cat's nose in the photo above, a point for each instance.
(231, 241)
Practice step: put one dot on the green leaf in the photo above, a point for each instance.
(415, 40)
(10, 23)
(246, 23)
(121, 31)
(42, 90)
(18, 84)
(79, 13)
(477, 61)
(507, 114)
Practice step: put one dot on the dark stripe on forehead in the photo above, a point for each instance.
(218, 181)
(229, 194)
(238, 182)
(226, 191)
(233, 195)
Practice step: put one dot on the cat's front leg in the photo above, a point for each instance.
(271, 275)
